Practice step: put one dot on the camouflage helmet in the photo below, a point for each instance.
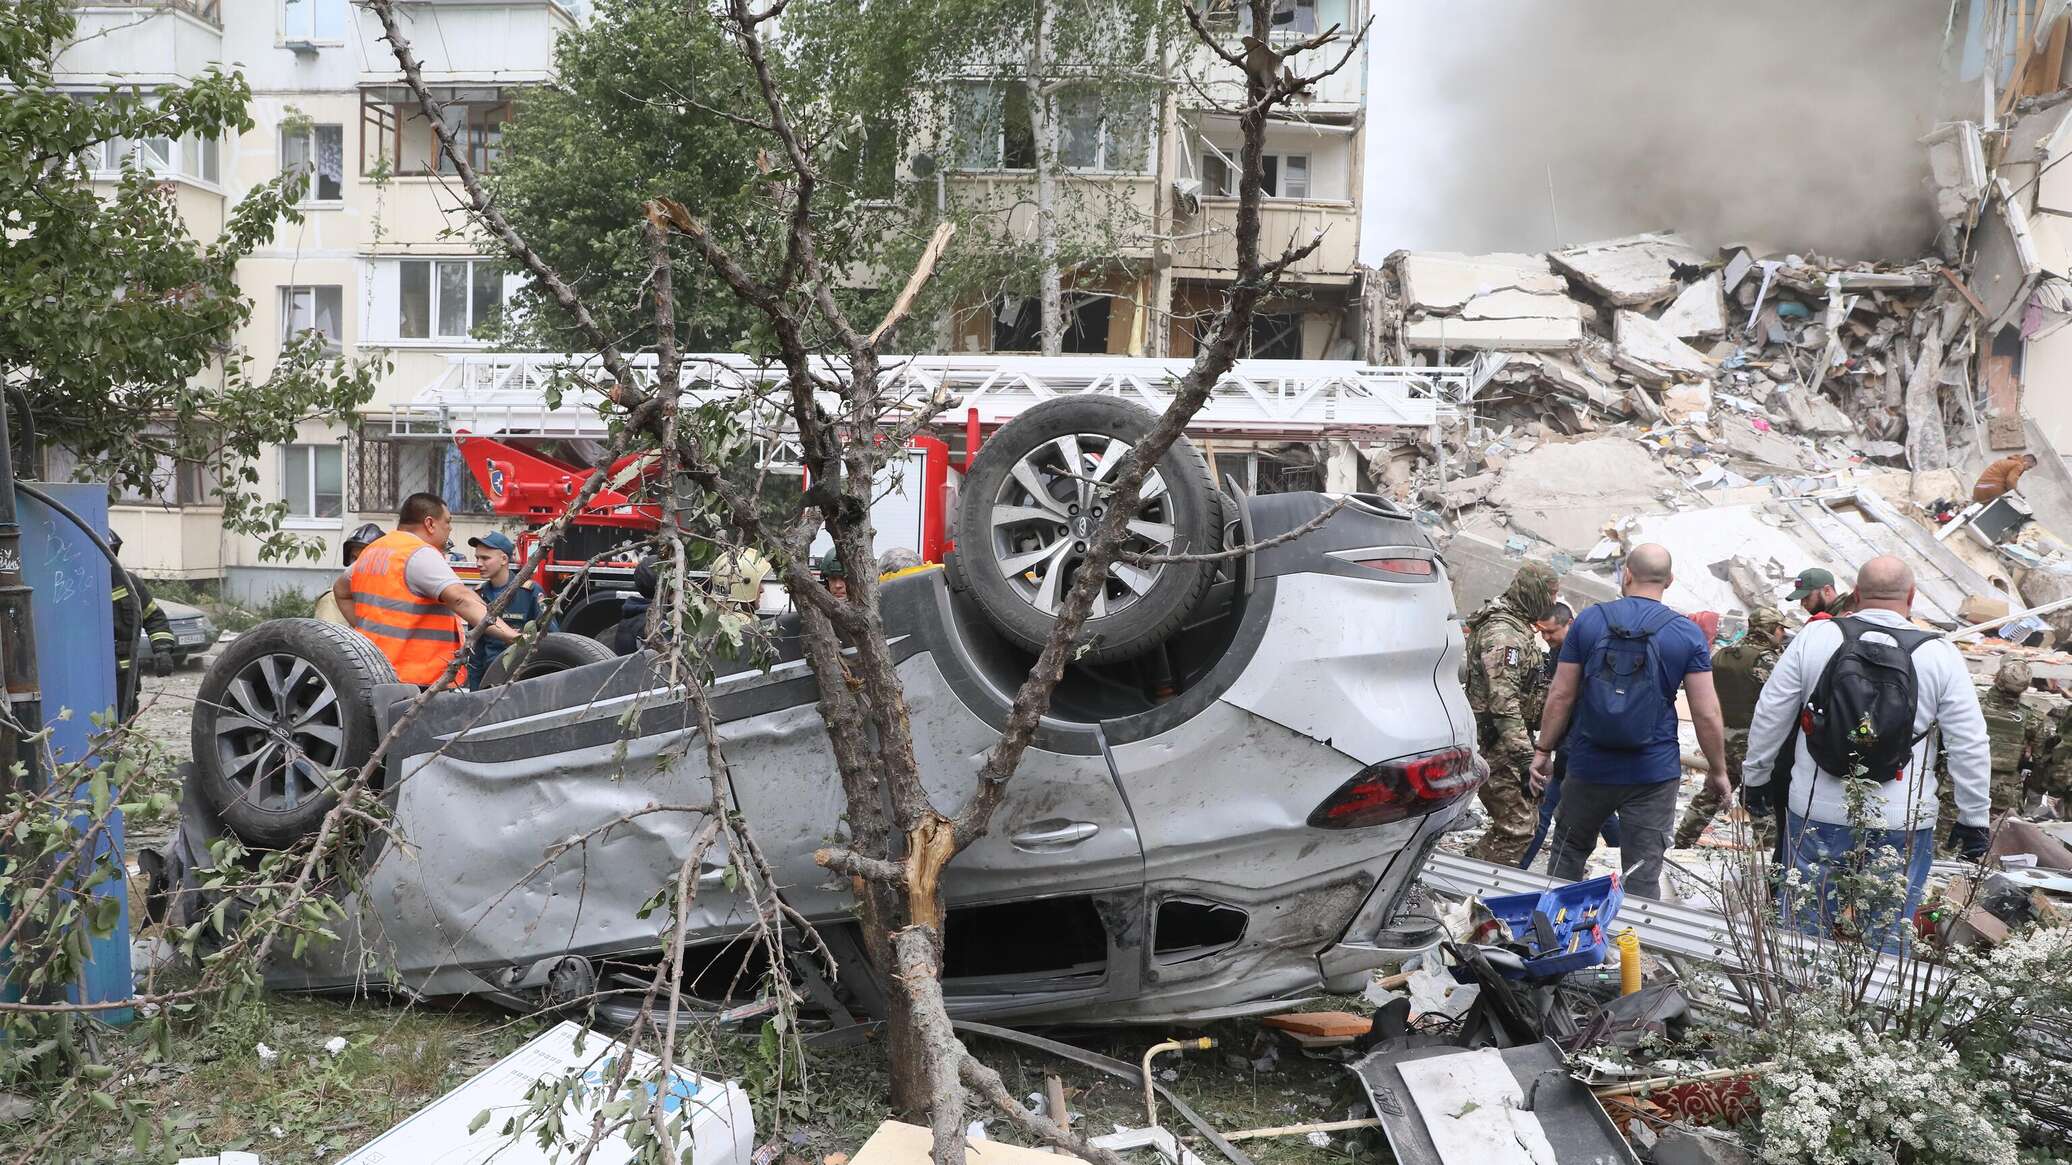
(1766, 618)
(1532, 590)
(2013, 677)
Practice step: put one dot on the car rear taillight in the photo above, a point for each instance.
(1400, 567)
(1409, 786)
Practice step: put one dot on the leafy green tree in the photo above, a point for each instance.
(647, 103)
(113, 315)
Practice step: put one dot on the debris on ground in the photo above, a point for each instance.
(488, 1109)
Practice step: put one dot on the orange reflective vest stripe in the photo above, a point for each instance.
(419, 636)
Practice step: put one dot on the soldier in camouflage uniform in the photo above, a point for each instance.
(2016, 734)
(1506, 691)
(1738, 674)
(2053, 773)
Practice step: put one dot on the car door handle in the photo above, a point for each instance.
(1054, 835)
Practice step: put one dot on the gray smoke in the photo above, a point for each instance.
(1786, 123)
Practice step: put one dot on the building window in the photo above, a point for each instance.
(388, 469)
(312, 20)
(990, 124)
(152, 155)
(318, 309)
(317, 153)
(1281, 175)
(199, 159)
(447, 299)
(395, 134)
(1092, 136)
(1018, 324)
(1276, 336)
(1289, 16)
(175, 481)
(313, 480)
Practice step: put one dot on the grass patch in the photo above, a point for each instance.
(308, 1105)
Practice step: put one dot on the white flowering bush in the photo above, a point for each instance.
(1856, 1097)
(1960, 1056)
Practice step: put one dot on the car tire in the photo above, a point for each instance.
(286, 705)
(1002, 524)
(556, 651)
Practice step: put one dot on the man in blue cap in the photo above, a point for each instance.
(493, 553)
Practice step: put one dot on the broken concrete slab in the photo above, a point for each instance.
(1444, 281)
(1640, 338)
(1570, 379)
(2005, 265)
(1739, 436)
(1564, 493)
(1513, 304)
(1699, 311)
(1630, 271)
(1466, 491)
(1957, 168)
(1813, 414)
(1540, 334)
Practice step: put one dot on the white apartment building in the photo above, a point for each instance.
(373, 265)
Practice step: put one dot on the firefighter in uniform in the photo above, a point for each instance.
(1504, 670)
(2016, 734)
(1738, 674)
(121, 585)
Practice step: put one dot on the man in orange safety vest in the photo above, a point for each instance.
(402, 594)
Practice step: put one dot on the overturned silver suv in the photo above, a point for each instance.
(1224, 812)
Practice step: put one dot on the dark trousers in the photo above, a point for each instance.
(1647, 814)
(1549, 802)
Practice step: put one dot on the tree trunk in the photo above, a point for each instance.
(1158, 339)
(1043, 128)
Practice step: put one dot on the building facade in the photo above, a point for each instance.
(377, 264)
(385, 264)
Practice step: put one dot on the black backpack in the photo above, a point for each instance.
(1861, 713)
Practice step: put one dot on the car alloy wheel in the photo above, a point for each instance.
(1047, 510)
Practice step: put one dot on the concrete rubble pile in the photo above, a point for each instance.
(1758, 413)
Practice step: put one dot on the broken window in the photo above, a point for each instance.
(317, 154)
(1281, 175)
(1187, 929)
(989, 124)
(1295, 17)
(1018, 324)
(1103, 134)
(1049, 936)
(318, 309)
(1276, 336)
(395, 134)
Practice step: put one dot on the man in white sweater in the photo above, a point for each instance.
(1820, 840)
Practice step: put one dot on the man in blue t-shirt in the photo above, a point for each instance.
(1631, 769)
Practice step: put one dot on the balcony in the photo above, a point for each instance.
(1206, 245)
(1089, 205)
(142, 42)
(510, 43)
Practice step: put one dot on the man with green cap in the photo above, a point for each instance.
(1506, 693)
(1739, 672)
(2014, 731)
(1814, 590)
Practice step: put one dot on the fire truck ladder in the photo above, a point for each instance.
(555, 394)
